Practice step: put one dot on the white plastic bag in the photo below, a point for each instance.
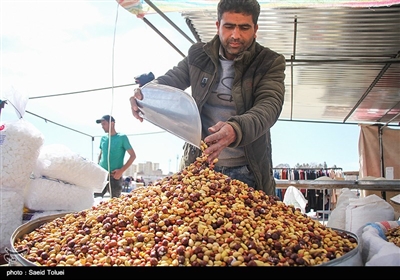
(45, 194)
(337, 219)
(20, 142)
(366, 210)
(294, 197)
(57, 161)
(376, 250)
(11, 211)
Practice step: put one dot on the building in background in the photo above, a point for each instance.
(149, 171)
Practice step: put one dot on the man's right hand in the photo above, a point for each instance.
(222, 135)
(134, 107)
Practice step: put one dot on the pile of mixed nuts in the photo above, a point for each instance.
(196, 217)
(393, 235)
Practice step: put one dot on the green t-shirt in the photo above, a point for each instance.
(119, 145)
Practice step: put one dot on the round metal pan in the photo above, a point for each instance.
(27, 228)
(352, 258)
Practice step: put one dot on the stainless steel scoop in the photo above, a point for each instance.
(173, 110)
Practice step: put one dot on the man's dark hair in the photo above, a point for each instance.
(247, 7)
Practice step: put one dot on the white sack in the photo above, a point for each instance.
(294, 197)
(365, 210)
(45, 194)
(376, 250)
(59, 162)
(20, 143)
(12, 208)
(337, 218)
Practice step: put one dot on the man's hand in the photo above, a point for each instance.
(117, 174)
(222, 136)
(134, 107)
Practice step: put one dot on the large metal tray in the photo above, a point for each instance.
(27, 228)
(352, 258)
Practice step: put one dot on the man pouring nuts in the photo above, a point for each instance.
(238, 86)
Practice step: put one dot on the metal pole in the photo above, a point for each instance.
(380, 133)
(169, 21)
(162, 35)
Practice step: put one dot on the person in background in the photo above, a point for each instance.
(142, 181)
(127, 183)
(238, 86)
(112, 158)
(2, 104)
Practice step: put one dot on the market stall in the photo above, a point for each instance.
(379, 157)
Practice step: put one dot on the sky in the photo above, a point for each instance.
(71, 62)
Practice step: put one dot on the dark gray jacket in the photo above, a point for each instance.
(258, 91)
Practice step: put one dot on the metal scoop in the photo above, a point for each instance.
(173, 110)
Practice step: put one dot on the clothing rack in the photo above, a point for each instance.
(299, 173)
(318, 199)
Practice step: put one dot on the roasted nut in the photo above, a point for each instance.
(195, 217)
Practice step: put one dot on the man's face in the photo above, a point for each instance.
(105, 125)
(236, 32)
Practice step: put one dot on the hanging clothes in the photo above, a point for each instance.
(315, 197)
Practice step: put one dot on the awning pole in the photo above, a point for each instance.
(291, 68)
(162, 35)
(169, 21)
(380, 133)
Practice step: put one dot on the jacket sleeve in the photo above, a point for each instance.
(178, 76)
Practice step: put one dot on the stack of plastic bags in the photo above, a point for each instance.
(42, 179)
(20, 143)
(353, 213)
(63, 180)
